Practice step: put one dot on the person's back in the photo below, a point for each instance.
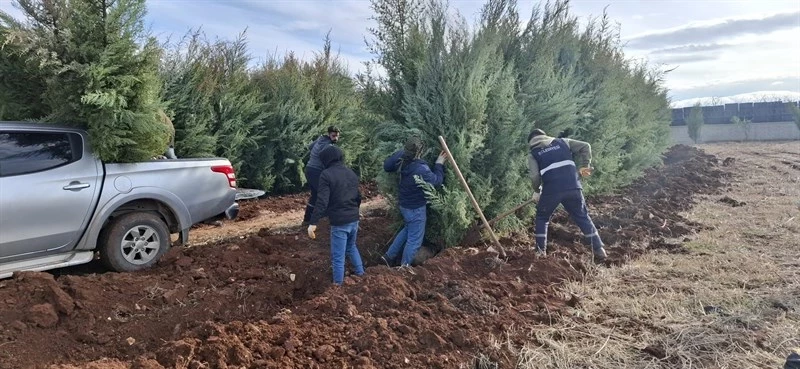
(554, 163)
(408, 162)
(315, 166)
(411, 198)
(557, 167)
(344, 197)
(339, 199)
(316, 147)
(410, 194)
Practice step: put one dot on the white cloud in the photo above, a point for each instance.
(717, 46)
(716, 30)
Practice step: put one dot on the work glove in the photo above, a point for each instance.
(536, 196)
(585, 171)
(311, 229)
(442, 157)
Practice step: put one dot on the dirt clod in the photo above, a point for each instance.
(143, 363)
(732, 202)
(324, 353)
(656, 351)
(18, 325)
(43, 315)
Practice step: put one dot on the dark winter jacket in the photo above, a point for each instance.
(410, 195)
(316, 148)
(338, 196)
(553, 163)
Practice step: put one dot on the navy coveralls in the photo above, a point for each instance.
(561, 185)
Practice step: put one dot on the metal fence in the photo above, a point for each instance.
(722, 114)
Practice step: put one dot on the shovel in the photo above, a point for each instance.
(473, 235)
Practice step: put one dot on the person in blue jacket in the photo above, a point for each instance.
(411, 198)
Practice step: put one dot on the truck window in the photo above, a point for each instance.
(29, 152)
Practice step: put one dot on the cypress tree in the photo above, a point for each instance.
(100, 72)
(695, 122)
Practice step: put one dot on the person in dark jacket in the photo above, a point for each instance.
(339, 199)
(554, 164)
(315, 167)
(411, 198)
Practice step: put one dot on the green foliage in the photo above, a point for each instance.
(795, 113)
(190, 85)
(289, 126)
(695, 122)
(485, 89)
(744, 124)
(300, 100)
(97, 67)
(21, 84)
(435, 201)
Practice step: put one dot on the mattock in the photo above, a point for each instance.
(471, 197)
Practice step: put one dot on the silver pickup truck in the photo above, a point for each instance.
(59, 204)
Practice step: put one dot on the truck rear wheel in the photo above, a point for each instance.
(134, 241)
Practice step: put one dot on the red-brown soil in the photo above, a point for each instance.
(265, 300)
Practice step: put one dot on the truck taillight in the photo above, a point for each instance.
(227, 170)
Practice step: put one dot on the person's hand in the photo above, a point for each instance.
(442, 158)
(585, 171)
(311, 232)
(536, 196)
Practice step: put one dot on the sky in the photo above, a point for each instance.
(733, 50)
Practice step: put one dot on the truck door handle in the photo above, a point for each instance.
(73, 186)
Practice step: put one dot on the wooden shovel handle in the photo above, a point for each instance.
(471, 197)
(512, 211)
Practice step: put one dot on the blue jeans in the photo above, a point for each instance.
(343, 241)
(575, 205)
(409, 240)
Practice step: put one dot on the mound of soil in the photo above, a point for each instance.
(265, 301)
(646, 215)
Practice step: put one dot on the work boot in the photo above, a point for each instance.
(540, 253)
(599, 254)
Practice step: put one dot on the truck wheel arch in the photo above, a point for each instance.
(168, 206)
(164, 211)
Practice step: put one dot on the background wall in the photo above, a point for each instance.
(771, 121)
(766, 131)
(722, 114)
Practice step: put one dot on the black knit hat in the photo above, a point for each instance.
(414, 146)
(536, 132)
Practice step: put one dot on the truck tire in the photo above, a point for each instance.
(134, 241)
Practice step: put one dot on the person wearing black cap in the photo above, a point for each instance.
(315, 166)
(411, 199)
(339, 199)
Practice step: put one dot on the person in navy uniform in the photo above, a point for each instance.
(556, 166)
